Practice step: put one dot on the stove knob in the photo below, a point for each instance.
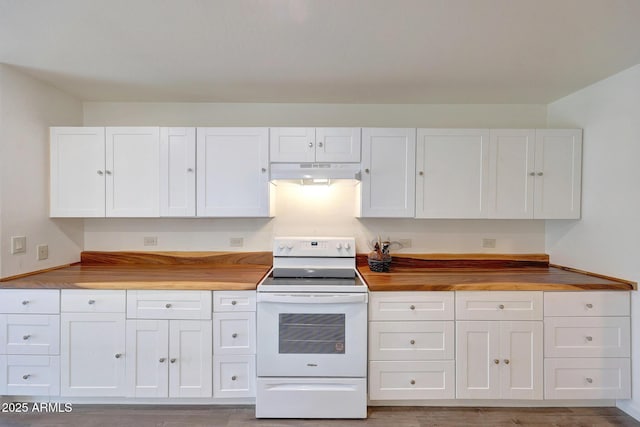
(289, 246)
(281, 246)
(339, 246)
(347, 246)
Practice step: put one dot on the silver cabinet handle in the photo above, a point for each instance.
(421, 173)
(263, 170)
(539, 174)
(311, 144)
(233, 378)
(162, 359)
(501, 306)
(506, 361)
(91, 302)
(589, 380)
(118, 355)
(108, 172)
(412, 342)
(25, 302)
(167, 305)
(589, 338)
(496, 361)
(589, 305)
(26, 337)
(412, 307)
(26, 376)
(320, 144)
(234, 302)
(412, 382)
(532, 174)
(100, 173)
(366, 171)
(190, 170)
(173, 360)
(234, 335)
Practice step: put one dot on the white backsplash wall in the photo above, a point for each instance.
(315, 211)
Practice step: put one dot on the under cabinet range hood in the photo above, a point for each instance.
(315, 171)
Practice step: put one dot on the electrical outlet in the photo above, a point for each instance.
(43, 252)
(236, 242)
(18, 244)
(488, 243)
(150, 240)
(405, 243)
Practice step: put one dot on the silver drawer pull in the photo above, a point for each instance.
(26, 376)
(589, 380)
(162, 359)
(167, 305)
(234, 335)
(118, 355)
(233, 378)
(26, 337)
(412, 342)
(413, 382)
(589, 338)
(234, 302)
(91, 302)
(25, 302)
(501, 306)
(496, 361)
(589, 305)
(173, 360)
(412, 307)
(506, 361)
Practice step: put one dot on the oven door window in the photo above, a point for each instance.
(311, 333)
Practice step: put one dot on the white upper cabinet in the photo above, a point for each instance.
(388, 173)
(535, 173)
(293, 144)
(232, 172)
(178, 172)
(77, 172)
(452, 172)
(133, 171)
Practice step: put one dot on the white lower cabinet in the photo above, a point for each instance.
(587, 378)
(30, 375)
(235, 375)
(394, 380)
(93, 356)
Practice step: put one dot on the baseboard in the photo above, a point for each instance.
(631, 407)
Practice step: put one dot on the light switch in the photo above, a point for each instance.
(18, 244)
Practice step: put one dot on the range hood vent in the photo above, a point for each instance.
(301, 171)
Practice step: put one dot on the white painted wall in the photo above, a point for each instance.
(313, 211)
(27, 108)
(606, 239)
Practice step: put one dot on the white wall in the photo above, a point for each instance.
(27, 108)
(310, 211)
(606, 239)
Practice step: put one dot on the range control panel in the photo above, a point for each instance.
(318, 247)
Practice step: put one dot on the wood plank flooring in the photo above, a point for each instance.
(243, 416)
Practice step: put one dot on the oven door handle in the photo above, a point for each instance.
(302, 298)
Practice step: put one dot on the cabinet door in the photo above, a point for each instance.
(477, 360)
(338, 145)
(77, 175)
(388, 178)
(133, 172)
(177, 172)
(558, 167)
(190, 358)
(234, 333)
(511, 173)
(452, 176)
(233, 179)
(292, 144)
(521, 360)
(92, 354)
(234, 376)
(147, 358)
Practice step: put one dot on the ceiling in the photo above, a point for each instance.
(321, 51)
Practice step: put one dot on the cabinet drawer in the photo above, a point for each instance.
(498, 305)
(234, 376)
(411, 340)
(411, 305)
(184, 305)
(29, 301)
(411, 380)
(93, 301)
(234, 301)
(234, 333)
(587, 337)
(606, 303)
(31, 375)
(30, 334)
(587, 378)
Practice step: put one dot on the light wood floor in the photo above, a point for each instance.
(243, 416)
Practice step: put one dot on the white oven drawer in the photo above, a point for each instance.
(411, 340)
(587, 337)
(93, 301)
(234, 376)
(412, 380)
(411, 306)
(234, 333)
(30, 375)
(234, 301)
(30, 301)
(182, 305)
(587, 303)
(499, 305)
(311, 398)
(588, 378)
(30, 334)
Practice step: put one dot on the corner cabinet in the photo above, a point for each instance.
(452, 173)
(388, 173)
(97, 172)
(233, 172)
(535, 173)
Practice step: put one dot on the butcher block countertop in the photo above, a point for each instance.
(157, 270)
(244, 270)
(483, 272)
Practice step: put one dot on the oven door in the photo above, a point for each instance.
(312, 335)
